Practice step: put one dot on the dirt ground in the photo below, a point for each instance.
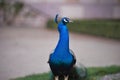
(25, 51)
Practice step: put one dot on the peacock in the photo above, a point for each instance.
(62, 59)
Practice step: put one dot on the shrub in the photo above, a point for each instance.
(105, 28)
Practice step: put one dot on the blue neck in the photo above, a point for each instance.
(63, 43)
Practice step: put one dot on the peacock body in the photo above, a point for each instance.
(62, 60)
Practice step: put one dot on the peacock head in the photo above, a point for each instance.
(64, 20)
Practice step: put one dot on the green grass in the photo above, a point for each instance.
(44, 76)
(104, 28)
(93, 73)
(96, 72)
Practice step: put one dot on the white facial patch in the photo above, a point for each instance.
(65, 20)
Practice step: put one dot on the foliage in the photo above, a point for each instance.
(18, 7)
(10, 10)
(2, 3)
(105, 28)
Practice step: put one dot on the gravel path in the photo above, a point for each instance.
(25, 51)
(111, 77)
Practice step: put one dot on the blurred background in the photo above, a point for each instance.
(28, 34)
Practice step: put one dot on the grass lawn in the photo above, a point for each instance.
(93, 73)
(104, 28)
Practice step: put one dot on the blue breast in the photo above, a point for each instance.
(61, 54)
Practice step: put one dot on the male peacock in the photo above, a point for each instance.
(62, 60)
